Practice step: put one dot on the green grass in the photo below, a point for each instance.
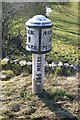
(65, 33)
(60, 94)
(15, 25)
(65, 38)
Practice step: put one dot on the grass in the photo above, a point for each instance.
(60, 94)
(65, 37)
(65, 33)
(8, 73)
(21, 103)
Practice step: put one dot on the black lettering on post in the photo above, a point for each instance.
(43, 47)
(38, 76)
(38, 69)
(38, 59)
(46, 46)
(38, 66)
(31, 32)
(47, 32)
(35, 47)
(38, 63)
(29, 38)
(32, 46)
(44, 33)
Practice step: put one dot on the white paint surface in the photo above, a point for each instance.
(38, 73)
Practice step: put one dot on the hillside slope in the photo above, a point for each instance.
(65, 38)
(65, 33)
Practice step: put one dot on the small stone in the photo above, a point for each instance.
(3, 77)
(15, 108)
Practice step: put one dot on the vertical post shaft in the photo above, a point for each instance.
(38, 73)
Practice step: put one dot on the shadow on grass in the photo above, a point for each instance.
(61, 113)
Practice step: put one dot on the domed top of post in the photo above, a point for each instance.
(39, 21)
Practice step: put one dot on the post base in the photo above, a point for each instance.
(37, 88)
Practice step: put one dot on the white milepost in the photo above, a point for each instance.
(38, 73)
(39, 42)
